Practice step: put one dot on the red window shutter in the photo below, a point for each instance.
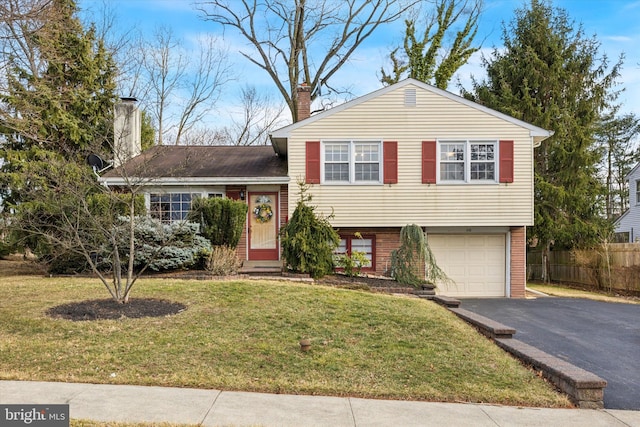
(506, 161)
(429, 162)
(390, 154)
(312, 169)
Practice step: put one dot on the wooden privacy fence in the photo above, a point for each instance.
(615, 266)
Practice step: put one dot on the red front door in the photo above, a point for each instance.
(263, 226)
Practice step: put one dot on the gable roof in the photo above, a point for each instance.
(632, 172)
(280, 137)
(202, 165)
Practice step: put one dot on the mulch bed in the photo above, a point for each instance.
(372, 283)
(102, 309)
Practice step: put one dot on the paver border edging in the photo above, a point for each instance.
(585, 389)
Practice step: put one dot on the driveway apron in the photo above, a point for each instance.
(600, 337)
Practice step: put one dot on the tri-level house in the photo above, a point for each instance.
(405, 154)
(627, 227)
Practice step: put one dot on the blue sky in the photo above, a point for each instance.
(616, 24)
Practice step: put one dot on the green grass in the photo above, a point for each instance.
(569, 292)
(243, 335)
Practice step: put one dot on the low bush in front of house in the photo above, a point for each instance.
(223, 261)
(163, 247)
(221, 220)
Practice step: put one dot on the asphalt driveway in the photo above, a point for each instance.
(600, 337)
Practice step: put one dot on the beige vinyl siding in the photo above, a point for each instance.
(385, 118)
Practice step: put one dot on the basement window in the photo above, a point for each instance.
(350, 244)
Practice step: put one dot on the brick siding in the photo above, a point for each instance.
(387, 239)
(518, 262)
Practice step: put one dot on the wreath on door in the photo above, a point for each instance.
(263, 213)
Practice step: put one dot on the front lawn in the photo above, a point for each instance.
(244, 335)
(559, 290)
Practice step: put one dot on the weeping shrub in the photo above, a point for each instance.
(308, 240)
(221, 220)
(414, 253)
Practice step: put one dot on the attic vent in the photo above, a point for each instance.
(409, 97)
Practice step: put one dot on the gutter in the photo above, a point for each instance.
(193, 181)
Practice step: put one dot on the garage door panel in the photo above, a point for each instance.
(476, 263)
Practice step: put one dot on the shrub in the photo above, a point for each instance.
(6, 248)
(353, 264)
(308, 240)
(414, 253)
(223, 261)
(221, 220)
(115, 204)
(162, 246)
(65, 263)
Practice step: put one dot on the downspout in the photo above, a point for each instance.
(508, 265)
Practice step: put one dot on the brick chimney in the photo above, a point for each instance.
(126, 131)
(304, 102)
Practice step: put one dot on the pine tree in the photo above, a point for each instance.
(65, 103)
(551, 75)
(308, 240)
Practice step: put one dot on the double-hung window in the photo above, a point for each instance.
(638, 192)
(336, 162)
(352, 161)
(467, 161)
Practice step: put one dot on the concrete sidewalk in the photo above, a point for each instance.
(223, 408)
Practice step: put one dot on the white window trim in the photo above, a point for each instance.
(181, 190)
(171, 220)
(637, 192)
(352, 143)
(467, 161)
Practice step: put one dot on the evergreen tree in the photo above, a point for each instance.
(65, 103)
(308, 240)
(221, 220)
(617, 135)
(423, 59)
(147, 131)
(551, 75)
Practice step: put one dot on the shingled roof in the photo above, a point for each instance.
(185, 162)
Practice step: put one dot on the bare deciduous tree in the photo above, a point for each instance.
(302, 40)
(181, 87)
(68, 212)
(176, 85)
(258, 118)
(204, 135)
(164, 67)
(19, 19)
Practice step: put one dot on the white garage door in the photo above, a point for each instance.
(475, 262)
